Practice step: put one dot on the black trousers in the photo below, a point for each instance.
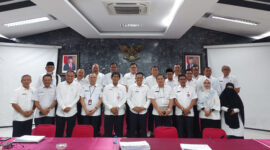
(94, 121)
(137, 125)
(127, 119)
(113, 122)
(79, 116)
(60, 125)
(185, 126)
(150, 118)
(174, 117)
(44, 120)
(163, 121)
(209, 123)
(196, 123)
(21, 128)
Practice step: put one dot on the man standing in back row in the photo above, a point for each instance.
(49, 70)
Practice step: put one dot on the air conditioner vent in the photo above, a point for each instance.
(140, 8)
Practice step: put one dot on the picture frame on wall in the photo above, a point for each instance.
(190, 60)
(68, 62)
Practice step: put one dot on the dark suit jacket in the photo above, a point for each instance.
(66, 67)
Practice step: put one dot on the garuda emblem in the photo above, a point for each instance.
(131, 51)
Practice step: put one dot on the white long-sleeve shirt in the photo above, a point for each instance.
(162, 96)
(99, 81)
(67, 96)
(224, 80)
(129, 79)
(108, 80)
(137, 97)
(45, 97)
(54, 80)
(184, 97)
(151, 81)
(22, 97)
(114, 96)
(91, 95)
(172, 83)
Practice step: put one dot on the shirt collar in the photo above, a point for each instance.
(46, 88)
(70, 83)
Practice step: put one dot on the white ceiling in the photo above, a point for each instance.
(91, 19)
(260, 16)
(24, 14)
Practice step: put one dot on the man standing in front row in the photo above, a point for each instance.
(23, 108)
(184, 98)
(68, 94)
(138, 104)
(114, 99)
(162, 100)
(45, 101)
(91, 99)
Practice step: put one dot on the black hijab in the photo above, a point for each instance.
(230, 99)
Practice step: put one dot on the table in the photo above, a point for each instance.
(155, 143)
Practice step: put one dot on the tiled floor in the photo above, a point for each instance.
(249, 134)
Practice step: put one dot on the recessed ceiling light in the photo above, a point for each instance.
(2, 36)
(264, 35)
(25, 22)
(128, 25)
(235, 20)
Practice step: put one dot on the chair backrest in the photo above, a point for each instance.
(47, 130)
(214, 133)
(165, 132)
(83, 131)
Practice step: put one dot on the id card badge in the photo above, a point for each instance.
(89, 102)
(188, 95)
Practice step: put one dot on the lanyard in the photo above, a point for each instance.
(91, 92)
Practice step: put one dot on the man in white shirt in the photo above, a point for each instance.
(100, 76)
(129, 78)
(82, 81)
(45, 102)
(107, 78)
(80, 77)
(214, 81)
(23, 108)
(68, 94)
(56, 78)
(191, 82)
(114, 99)
(151, 81)
(138, 103)
(177, 72)
(91, 99)
(226, 78)
(196, 72)
(170, 81)
(161, 98)
(184, 98)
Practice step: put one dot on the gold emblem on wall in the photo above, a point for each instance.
(131, 51)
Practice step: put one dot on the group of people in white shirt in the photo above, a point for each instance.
(178, 100)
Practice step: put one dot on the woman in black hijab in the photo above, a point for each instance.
(232, 113)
